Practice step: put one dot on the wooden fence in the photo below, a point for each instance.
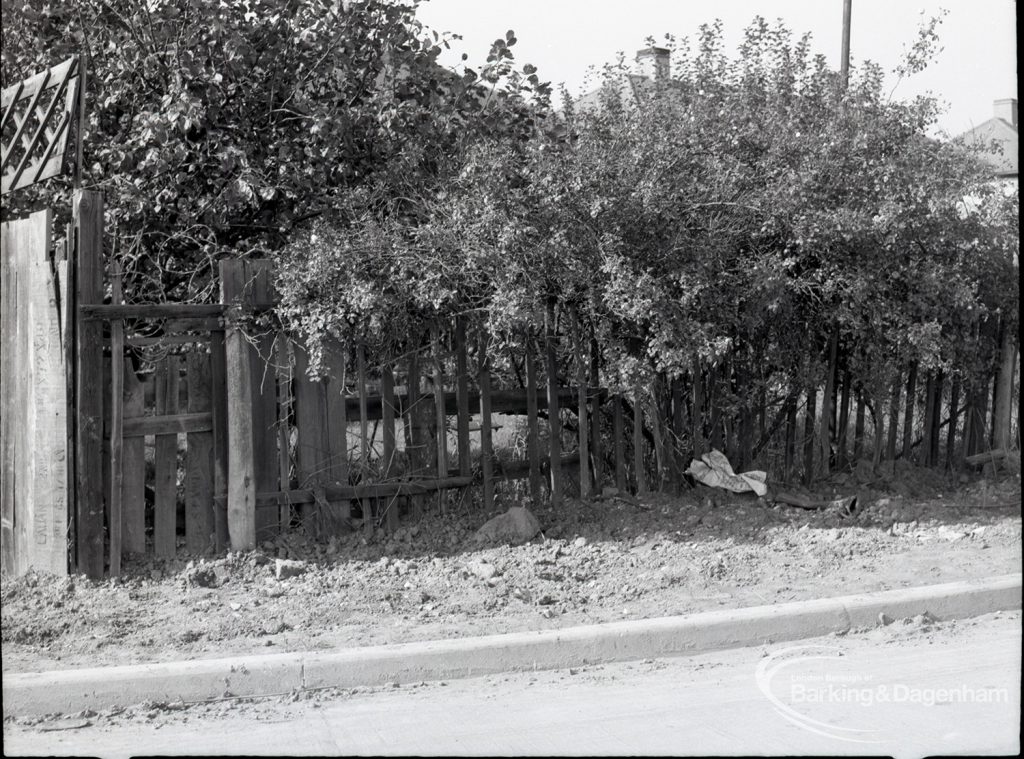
(193, 427)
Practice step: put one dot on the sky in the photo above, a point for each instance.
(978, 63)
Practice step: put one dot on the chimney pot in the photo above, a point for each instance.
(1006, 109)
(654, 62)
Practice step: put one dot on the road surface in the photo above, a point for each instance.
(907, 689)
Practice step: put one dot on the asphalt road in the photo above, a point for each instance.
(902, 690)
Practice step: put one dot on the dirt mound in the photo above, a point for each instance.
(616, 558)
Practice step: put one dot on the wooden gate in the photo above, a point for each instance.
(33, 399)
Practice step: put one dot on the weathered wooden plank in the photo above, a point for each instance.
(337, 513)
(12, 413)
(387, 386)
(119, 312)
(88, 216)
(415, 450)
(619, 436)
(697, 411)
(199, 529)
(165, 486)
(168, 424)
(283, 368)
(462, 397)
(678, 425)
(264, 401)
(638, 440)
(554, 421)
(954, 412)
(657, 431)
(164, 340)
(116, 420)
(311, 447)
(583, 431)
(532, 423)
(133, 486)
(366, 505)
(486, 445)
(909, 408)
(441, 420)
(241, 486)
(596, 452)
(219, 390)
(358, 492)
(809, 429)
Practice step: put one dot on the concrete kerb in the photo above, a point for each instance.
(69, 691)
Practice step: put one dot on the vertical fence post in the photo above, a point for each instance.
(310, 415)
(133, 489)
(842, 436)
(936, 411)
(925, 456)
(554, 422)
(638, 441)
(387, 391)
(199, 487)
(858, 427)
(259, 292)
(894, 417)
(594, 393)
(441, 418)
(367, 504)
(335, 432)
(283, 369)
(165, 506)
(581, 411)
(954, 412)
(462, 396)
(415, 448)
(486, 447)
(908, 416)
(241, 485)
(116, 425)
(619, 438)
(809, 428)
(88, 219)
(532, 425)
(219, 389)
(677, 432)
(697, 413)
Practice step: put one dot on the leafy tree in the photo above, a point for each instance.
(216, 128)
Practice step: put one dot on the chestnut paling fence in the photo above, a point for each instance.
(189, 427)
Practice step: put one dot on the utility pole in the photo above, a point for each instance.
(844, 70)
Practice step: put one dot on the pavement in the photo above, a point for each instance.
(906, 690)
(69, 691)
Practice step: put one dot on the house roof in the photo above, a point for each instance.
(1000, 132)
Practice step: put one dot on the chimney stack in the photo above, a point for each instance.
(1006, 109)
(654, 63)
